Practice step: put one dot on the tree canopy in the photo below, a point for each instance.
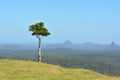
(39, 29)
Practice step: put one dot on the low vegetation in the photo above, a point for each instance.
(27, 70)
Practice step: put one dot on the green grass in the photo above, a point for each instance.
(27, 70)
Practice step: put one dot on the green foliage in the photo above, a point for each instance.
(39, 29)
(27, 70)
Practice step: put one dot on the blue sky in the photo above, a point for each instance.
(79, 21)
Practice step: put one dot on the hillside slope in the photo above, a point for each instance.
(27, 70)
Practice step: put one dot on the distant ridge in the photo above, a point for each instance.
(67, 44)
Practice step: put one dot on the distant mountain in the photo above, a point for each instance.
(67, 44)
(86, 46)
(18, 46)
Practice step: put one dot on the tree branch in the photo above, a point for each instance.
(38, 36)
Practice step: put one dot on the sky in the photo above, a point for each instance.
(79, 21)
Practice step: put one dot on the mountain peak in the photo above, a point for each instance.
(113, 44)
(67, 42)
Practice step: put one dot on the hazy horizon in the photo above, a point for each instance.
(57, 43)
(78, 21)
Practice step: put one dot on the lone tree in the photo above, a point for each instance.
(39, 30)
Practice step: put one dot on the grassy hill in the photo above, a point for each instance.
(27, 70)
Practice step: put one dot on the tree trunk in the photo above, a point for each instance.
(39, 51)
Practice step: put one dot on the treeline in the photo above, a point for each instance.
(77, 61)
(100, 61)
